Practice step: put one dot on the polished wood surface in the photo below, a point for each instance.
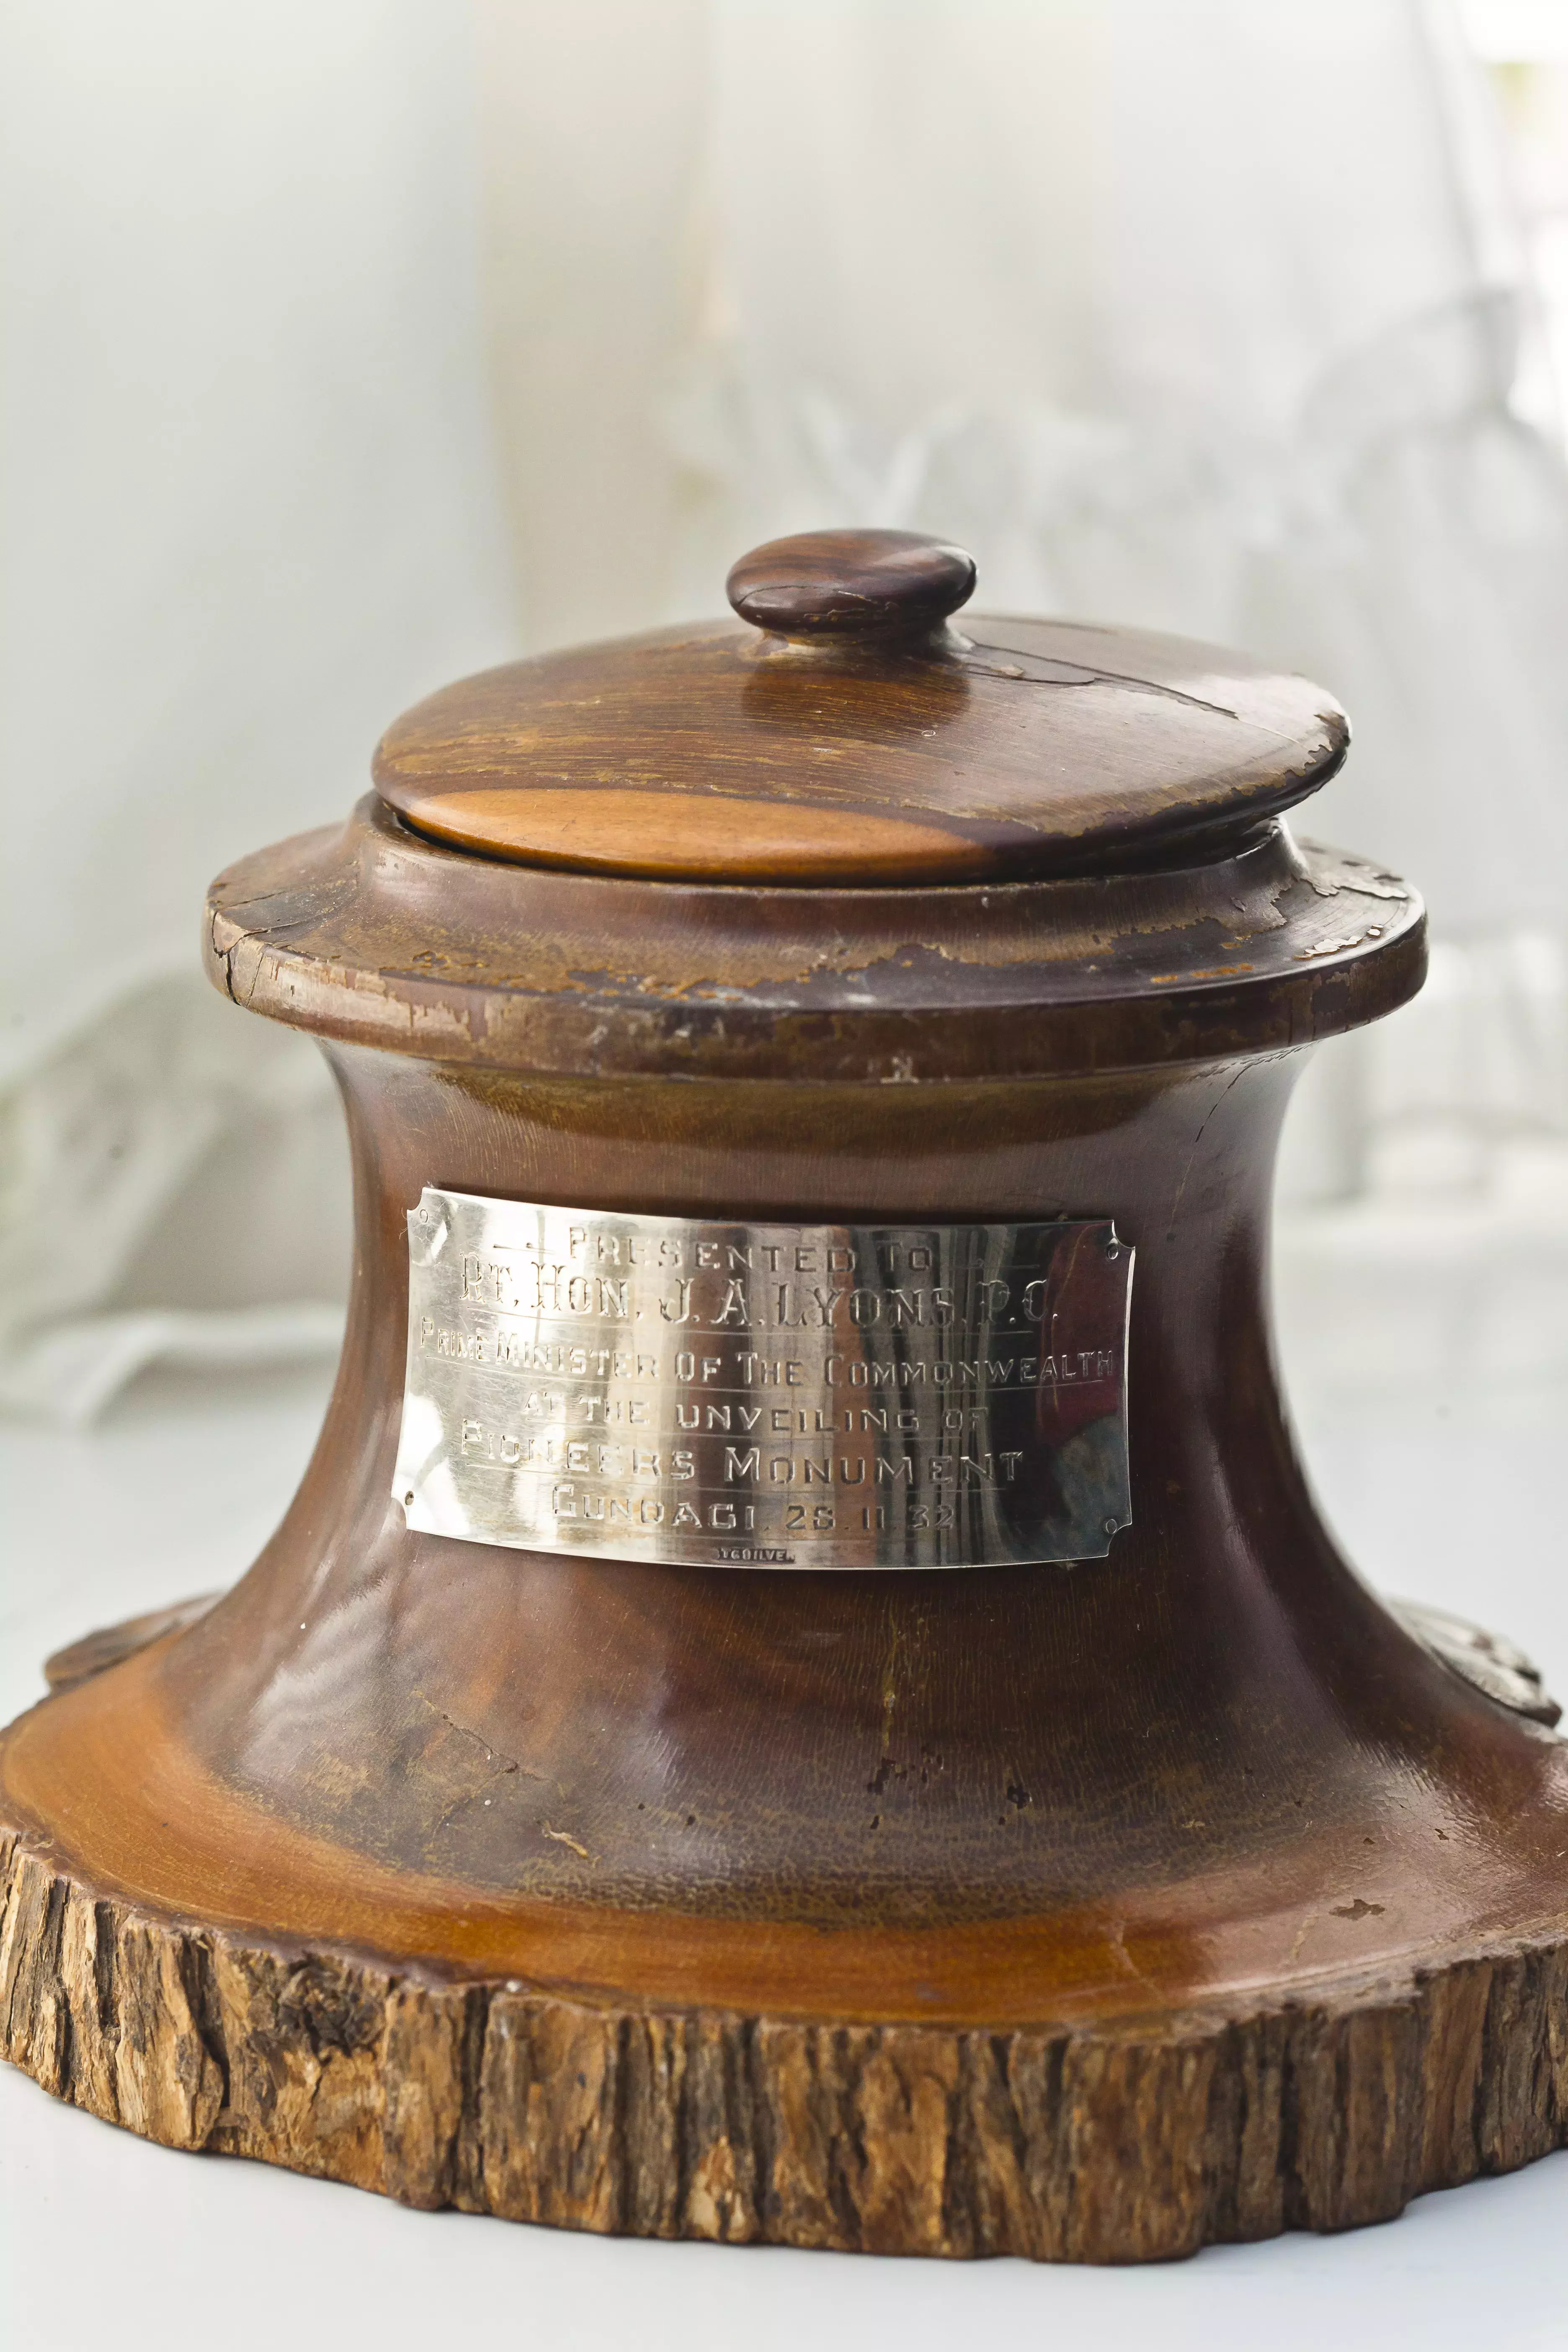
(867, 1758)
(369, 935)
(874, 745)
(618, 830)
(851, 584)
(107, 1644)
(1178, 1895)
(1093, 1911)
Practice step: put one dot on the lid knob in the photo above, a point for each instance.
(851, 584)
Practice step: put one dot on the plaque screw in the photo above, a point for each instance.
(1113, 1249)
(1112, 1527)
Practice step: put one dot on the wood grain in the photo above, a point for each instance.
(1035, 748)
(366, 933)
(610, 829)
(1131, 2141)
(851, 584)
(80, 1660)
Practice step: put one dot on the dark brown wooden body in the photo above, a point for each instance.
(1081, 1912)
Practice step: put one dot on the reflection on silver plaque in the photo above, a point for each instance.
(764, 1396)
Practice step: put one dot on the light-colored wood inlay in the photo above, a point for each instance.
(658, 834)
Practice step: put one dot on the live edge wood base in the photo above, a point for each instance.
(1139, 2139)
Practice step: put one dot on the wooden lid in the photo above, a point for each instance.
(851, 735)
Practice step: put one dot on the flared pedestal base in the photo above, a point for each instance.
(1241, 2053)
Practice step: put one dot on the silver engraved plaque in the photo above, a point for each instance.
(764, 1396)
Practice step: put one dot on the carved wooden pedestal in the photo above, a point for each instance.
(1087, 1912)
